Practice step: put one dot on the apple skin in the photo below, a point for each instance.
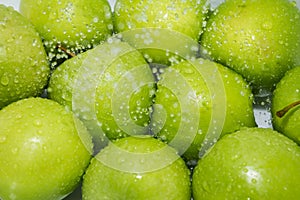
(24, 69)
(44, 150)
(75, 25)
(287, 92)
(253, 163)
(158, 33)
(105, 81)
(105, 181)
(233, 93)
(258, 39)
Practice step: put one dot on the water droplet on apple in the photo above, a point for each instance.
(205, 186)
(96, 19)
(19, 116)
(34, 42)
(254, 181)
(38, 123)
(4, 80)
(3, 138)
(121, 160)
(138, 177)
(15, 150)
(235, 157)
(267, 25)
(188, 71)
(229, 188)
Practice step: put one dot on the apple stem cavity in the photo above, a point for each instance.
(282, 112)
(66, 50)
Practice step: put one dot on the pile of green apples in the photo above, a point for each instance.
(149, 99)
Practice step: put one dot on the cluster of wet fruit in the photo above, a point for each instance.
(149, 99)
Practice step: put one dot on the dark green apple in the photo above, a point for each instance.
(253, 163)
(137, 168)
(24, 69)
(258, 39)
(285, 105)
(164, 31)
(69, 26)
(44, 150)
(110, 88)
(197, 102)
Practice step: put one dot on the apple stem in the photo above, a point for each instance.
(66, 50)
(282, 112)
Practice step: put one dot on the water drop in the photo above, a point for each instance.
(138, 176)
(19, 116)
(2, 139)
(110, 26)
(4, 80)
(188, 71)
(96, 19)
(267, 25)
(205, 186)
(229, 188)
(253, 181)
(37, 123)
(34, 42)
(15, 150)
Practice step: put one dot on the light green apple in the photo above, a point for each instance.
(164, 31)
(137, 168)
(44, 150)
(24, 69)
(197, 102)
(253, 163)
(69, 27)
(285, 105)
(110, 88)
(258, 39)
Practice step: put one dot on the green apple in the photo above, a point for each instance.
(110, 88)
(24, 69)
(253, 163)
(165, 31)
(285, 105)
(44, 150)
(137, 168)
(197, 102)
(69, 26)
(258, 39)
